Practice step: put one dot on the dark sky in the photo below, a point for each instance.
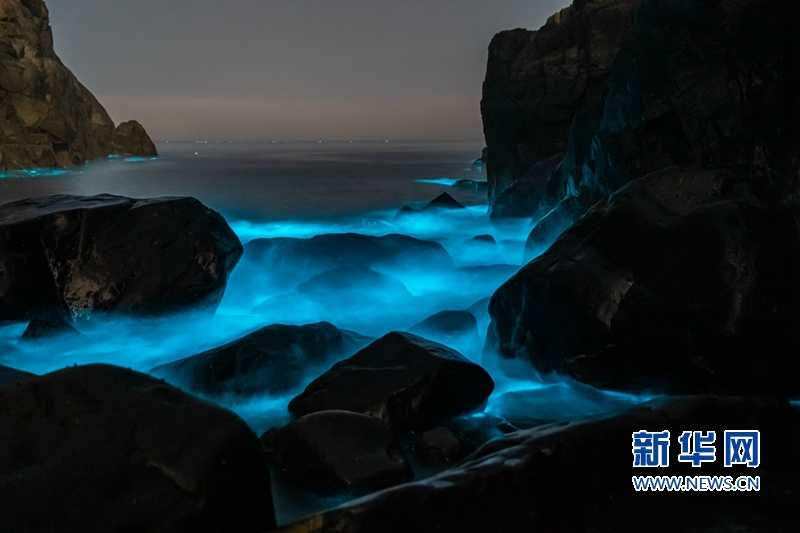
(289, 69)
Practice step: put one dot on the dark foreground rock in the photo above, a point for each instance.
(10, 376)
(272, 360)
(110, 253)
(49, 323)
(578, 477)
(332, 448)
(100, 448)
(675, 284)
(131, 139)
(49, 118)
(521, 198)
(402, 379)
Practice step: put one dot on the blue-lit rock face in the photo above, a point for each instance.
(577, 477)
(402, 379)
(101, 448)
(674, 284)
(270, 360)
(110, 253)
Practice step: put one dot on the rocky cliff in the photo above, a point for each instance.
(47, 118)
(708, 84)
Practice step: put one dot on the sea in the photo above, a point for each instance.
(302, 189)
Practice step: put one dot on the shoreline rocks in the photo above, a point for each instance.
(101, 448)
(110, 253)
(131, 139)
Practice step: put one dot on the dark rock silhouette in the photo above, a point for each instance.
(131, 139)
(272, 360)
(447, 324)
(577, 477)
(332, 448)
(440, 444)
(347, 284)
(10, 376)
(522, 198)
(537, 82)
(402, 379)
(110, 253)
(49, 323)
(101, 448)
(443, 201)
(672, 284)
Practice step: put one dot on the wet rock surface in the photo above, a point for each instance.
(333, 448)
(101, 448)
(131, 139)
(48, 118)
(537, 480)
(272, 360)
(110, 253)
(672, 284)
(402, 379)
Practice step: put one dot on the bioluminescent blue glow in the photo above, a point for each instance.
(34, 173)
(447, 182)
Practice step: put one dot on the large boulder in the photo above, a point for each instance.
(537, 81)
(49, 324)
(47, 118)
(131, 139)
(329, 449)
(578, 477)
(448, 325)
(100, 448)
(675, 284)
(402, 379)
(110, 253)
(272, 360)
(521, 198)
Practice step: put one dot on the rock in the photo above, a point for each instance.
(402, 379)
(448, 324)
(295, 260)
(664, 102)
(332, 448)
(485, 239)
(10, 376)
(48, 118)
(101, 448)
(109, 253)
(549, 228)
(521, 198)
(49, 323)
(443, 201)
(577, 477)
(673, 284)
(271, 360)
(347, 284)
(131, 139)
(439, 444)
(537, 81)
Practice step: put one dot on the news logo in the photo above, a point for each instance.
(741, 448)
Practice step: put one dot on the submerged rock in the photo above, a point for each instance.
(443, 201)
(10, 376)
(49, 323)
(101, 448)
(673, 284)
(110, 253)
(131, 139)
(472, 185)
(348, 284)
(448, 324)
(577, 477)
(331, 448)
(300, 259)
(272, 360)
(402, 379)
(48, 119)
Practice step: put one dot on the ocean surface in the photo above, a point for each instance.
(273, 189)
